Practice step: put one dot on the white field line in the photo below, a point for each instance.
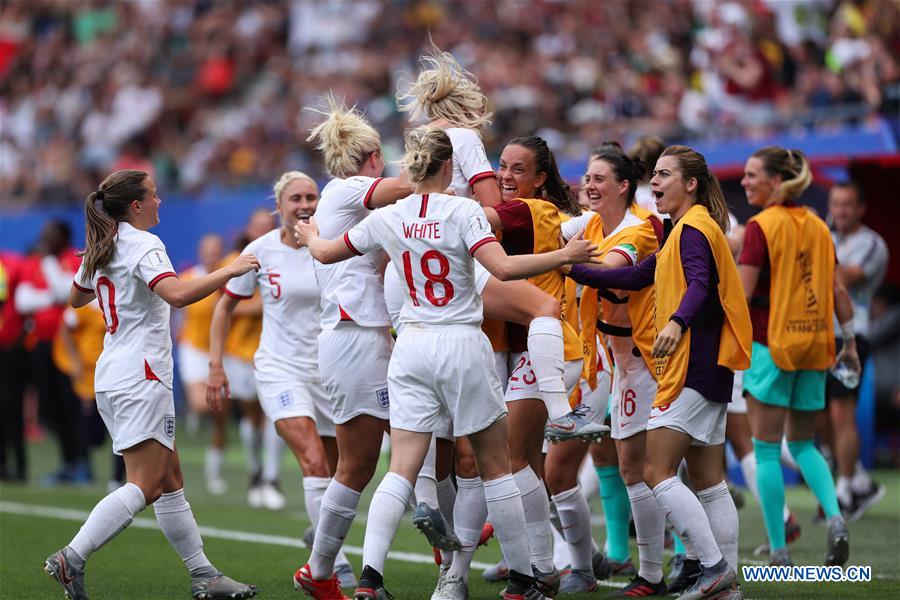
(68, 514)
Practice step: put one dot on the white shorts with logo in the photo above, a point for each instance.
(738, 404)
(353, 364)
(523, 382)
(144, 411)
(193, 364)
(241, 377)
(694, 415)
(287, 399)
(634, 391)
(444, 374)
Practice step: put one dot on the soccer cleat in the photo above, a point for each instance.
(577, 581)
(640, 587)
(712, 581)
(602, 566)
(450, 588)
(838, 542)
(271, 496)
(574, 426)
(254, 492)
(780, 558)
(345, 576)
(548, 583)
(71, 579)
(431, 523)
(319, 589)
(371, 586)
(522, 587)
(735, 593)
(487, 532)
(499, 572)
(792, 533)
(216, 486)
(622, 569)
(863, 502)
(221, 587)
(684, 573)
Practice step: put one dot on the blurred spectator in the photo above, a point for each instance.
(210, 92)
(884, 337)
(13, 372)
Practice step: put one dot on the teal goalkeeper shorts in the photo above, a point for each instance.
(797, 390)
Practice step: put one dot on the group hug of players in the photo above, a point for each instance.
(520, 318)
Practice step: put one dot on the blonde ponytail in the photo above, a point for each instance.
(791, 165)
(427, 147)
(345, 138)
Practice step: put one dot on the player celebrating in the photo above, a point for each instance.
(703, 336)
(627, 320)
(355, 343)
(126, 268)
(286, 363)
(787, 268)
(434, 374)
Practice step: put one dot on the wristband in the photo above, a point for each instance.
(847, 330)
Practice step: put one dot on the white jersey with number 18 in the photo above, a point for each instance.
(430, 239)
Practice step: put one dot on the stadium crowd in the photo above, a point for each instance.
(201, 93)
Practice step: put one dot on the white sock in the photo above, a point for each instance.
(575, 523)
(844, 492)
(110, 516)
(426, 482)
(446, 496)
(385, 513)
(650, 527)
(175, 518)
(861, 481)
(546, 351)
(723, 520)
(748, 469)
(562, 555)
(335, 518)
(587, 479)
(689, 519)
(212, 467)
(537, 515)
(469, 514)
(508, 518)
(248, 434)
(313, 491)
(273, 446)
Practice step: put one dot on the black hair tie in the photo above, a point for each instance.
(99, 195)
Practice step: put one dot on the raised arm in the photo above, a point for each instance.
(180, 293)
(504, 267)
(325, 251)
(388, 190)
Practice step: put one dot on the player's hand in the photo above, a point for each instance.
(243, 264)
(580, 250)
(849, 356)
(217, 388)
(306, 231)
(667, 340)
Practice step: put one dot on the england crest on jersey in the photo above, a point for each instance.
(382, 397)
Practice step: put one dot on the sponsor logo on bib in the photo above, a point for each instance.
(382, 397)
(169, 426)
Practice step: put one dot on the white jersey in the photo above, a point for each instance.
(138, 341)
(470, 162)
(352, 289)
(430, 239)
(288, 346)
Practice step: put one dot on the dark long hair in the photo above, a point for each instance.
(555, 188)
(103, 210)
(625, 167)
(709, 191)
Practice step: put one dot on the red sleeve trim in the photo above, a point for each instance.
(82, 288)
(625, 254)
(350, 244)
(481, 243)
(479, 176)
(238, 296)
(159, 278)
(371, 191)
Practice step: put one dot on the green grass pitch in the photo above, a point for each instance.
(139, 564)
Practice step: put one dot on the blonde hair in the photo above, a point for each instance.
(709, 191)
(287, 178)
(793, 167)
(427, 147)
(345, 137)
(444, 90)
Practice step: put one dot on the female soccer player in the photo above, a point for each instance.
(286, 363)
(627, 321)
(355, 343)
(787, 268)
(703, 335)
(126, 268)
(435, 374)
